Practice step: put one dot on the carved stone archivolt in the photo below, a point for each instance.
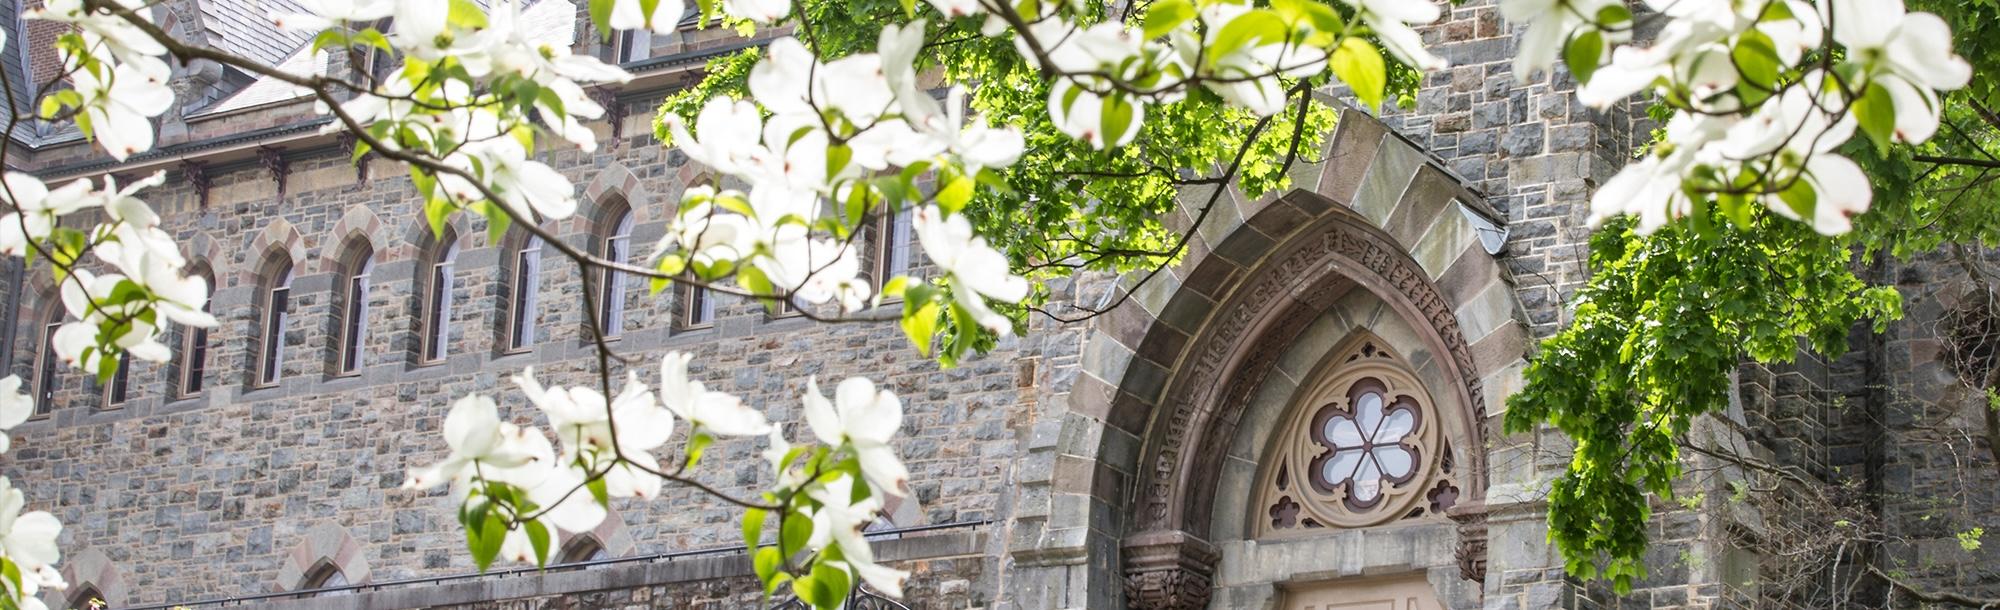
(1240, 343)
(1239, 346)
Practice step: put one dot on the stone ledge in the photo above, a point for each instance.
(500, 587)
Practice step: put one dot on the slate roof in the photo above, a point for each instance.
(552, 21)
(243, 27)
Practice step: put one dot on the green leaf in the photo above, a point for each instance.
(920, 317)
(767, 561)
(830, 586)
(796, 531)
(956, 192)
(1323, 19)
(497, 221)
(1758, 64)
(599, 491)
(1876, 113)
(646, 7)
(1616, 15)
(696, 444)
(1165, 15)
(538, 536)
(1247, 30)
(1117, 116)
(486, 543)
(1358, 64)
(837, 157)
(600, 16)
(1582, 54)
(438, 212)
(753, 529)
(1801, 198)
(12, 572)
(106, 368)
(466, 14)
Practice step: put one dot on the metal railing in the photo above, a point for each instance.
(722, 551)
(862, 598)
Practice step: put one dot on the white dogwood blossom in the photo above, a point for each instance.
(632, 15)
(480, 442)
(28, 540)
(1757, 119)
(823, 146)
(977, 270)
(866, 419)
(15, 407)
(322, 14)
(707, 411)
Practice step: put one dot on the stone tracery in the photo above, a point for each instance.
(1361, 446)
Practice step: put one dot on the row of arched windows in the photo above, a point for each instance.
(891, 240)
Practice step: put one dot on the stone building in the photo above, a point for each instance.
(1173, 453)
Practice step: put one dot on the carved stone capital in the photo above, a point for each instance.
(1168, 570)
(196, 176)
(614, 113)
(274, 161)
(1472, 539)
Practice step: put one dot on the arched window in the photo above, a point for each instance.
(84, 598)
(1363, 446)
(277, 318)
(354, 321)
(697, 307)
(894, 240)
(524, 310)
(116, 392)
(611, 301)
(194, 348)
(325, 576)
(437, 303)
(581, 549)
(634, 45)
(47, 367)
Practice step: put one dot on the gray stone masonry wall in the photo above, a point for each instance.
(1933, 469)
(204, 497)
(1536, 154)
(216, 495)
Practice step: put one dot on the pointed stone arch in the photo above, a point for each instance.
(358, 226)
(277, 237)
(617, 183)
(325, 545)
(204, 249)
(91, 571)
(1133, 462)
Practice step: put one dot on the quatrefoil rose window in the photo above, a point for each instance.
(1360, 447)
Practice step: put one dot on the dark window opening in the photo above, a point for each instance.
(527, 282)
(277, 312)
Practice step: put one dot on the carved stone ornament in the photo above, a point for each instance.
(348, 142)
(274, 161)
(1168, 570)
(614, 114)
(1472, 540)
(1361, 446)
(196, 176)
(1237, 348)
(1242, 343)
